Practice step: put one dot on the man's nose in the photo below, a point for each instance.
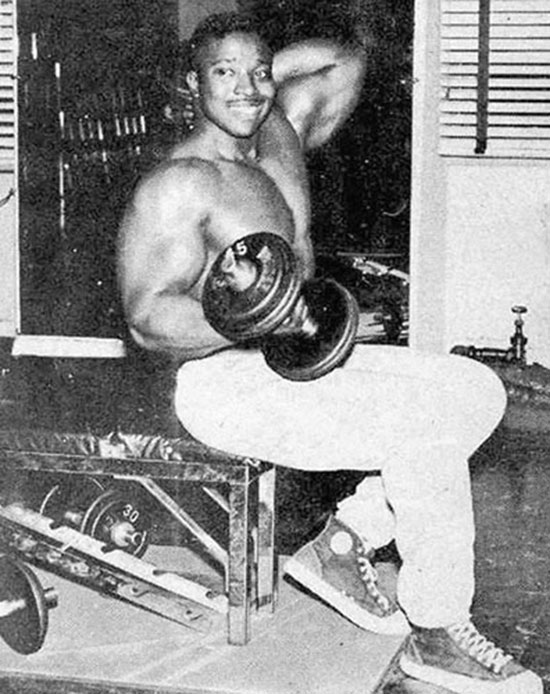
(245, 84)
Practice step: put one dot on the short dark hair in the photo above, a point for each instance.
(218, 26)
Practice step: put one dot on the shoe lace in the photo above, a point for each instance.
(369, 576)
(479, 647)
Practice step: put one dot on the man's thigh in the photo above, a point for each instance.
(381, 400)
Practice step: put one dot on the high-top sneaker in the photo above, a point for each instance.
(336, 567)
(459, 659)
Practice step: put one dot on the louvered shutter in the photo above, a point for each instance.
(7, 115)
(495, 78)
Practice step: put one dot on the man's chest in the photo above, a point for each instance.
(260, 198)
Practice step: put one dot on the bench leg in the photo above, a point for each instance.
(239, 563)
(266, 560)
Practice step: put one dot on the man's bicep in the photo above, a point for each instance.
(162, 250)
(297, 99)
(317, 104)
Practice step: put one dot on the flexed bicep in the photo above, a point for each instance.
(162, 256)
(319, 84)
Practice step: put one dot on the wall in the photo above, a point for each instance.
(498, 230)
(480, 231)
(7, 253)
(190, 12)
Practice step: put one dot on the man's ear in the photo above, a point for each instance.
(192, 80)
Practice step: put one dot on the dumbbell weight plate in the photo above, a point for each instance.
(67, 500)
(25, 629)
(262, 307)
(114, 517)
(303, 358)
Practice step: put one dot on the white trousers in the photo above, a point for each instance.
(416, 417)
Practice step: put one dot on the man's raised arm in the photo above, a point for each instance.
(319, 84)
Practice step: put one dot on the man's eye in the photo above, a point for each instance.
(263, 74)
(223, 71)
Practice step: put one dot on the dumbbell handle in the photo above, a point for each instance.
(8, 607)
(123, 534)
(253, 291)
(298, 322)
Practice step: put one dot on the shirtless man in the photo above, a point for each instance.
(416, 418)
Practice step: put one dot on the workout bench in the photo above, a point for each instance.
(148, 458)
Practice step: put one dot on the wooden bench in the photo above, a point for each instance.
(144, 453)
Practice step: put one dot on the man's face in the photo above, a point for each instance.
(234, 84)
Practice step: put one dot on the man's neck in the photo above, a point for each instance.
(222, 145)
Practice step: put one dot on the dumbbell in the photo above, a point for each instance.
(253, 293)
(67, 500)
(114, 516)
(119, 519)
(24, 606)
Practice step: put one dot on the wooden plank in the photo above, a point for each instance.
(497, 19)
(458, 34)
(498, 70)
(64, 346)
(467, 130)
(528, 111)
(512, 96)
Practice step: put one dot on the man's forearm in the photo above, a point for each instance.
(176, 325)
(312, 57)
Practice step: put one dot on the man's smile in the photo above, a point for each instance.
(247, 106)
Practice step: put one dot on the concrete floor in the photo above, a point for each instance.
(304, 648)
(511, 486)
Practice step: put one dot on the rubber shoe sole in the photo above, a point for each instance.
(394, 625)
(524, 683)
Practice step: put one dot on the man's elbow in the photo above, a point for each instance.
(138, 320)
(143, 337)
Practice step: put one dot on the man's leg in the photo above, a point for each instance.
(417, 418)
(339, 565)
(233, 402)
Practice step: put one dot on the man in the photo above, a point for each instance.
(415, 417)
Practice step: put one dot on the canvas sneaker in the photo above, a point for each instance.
(336, 566)
(460, 659)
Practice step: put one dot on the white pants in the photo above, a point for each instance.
(416, 417)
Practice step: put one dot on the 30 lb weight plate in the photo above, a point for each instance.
(120, 520)
(66, 502)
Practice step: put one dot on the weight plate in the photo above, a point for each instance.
(120, 521)
(250, 313)
(67, 500)
(25, 629)
(304, 358)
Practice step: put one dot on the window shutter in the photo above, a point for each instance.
(495, 78)
(7, 68)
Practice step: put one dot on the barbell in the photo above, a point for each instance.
(253, 293)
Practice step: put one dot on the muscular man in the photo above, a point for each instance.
(415, 417)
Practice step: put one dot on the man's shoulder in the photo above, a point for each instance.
(176, 184)
(183, 171)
